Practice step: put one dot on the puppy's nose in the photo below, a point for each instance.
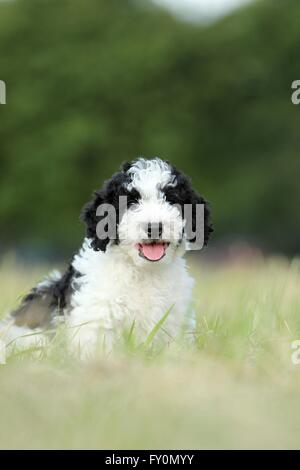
(154, 230)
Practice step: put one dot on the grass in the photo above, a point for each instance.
(235, 387)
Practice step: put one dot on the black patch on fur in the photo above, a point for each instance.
(182, 194)
(62, 289)
(126, 166)
(109, 194)
(38, 308)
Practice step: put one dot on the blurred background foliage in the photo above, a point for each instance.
(91, 83)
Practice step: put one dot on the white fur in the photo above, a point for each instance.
(118, 287)
(150, 176)
(114, 292)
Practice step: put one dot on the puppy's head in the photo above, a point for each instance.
(149, 211)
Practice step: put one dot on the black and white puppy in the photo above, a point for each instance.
(130, 267)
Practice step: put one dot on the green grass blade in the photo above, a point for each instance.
(156, 328)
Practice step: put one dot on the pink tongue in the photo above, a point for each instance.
(154, 251)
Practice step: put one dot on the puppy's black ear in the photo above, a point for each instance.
(125, 166)
(110, 196)
(208, 228)
(89, 216)
(183, 194)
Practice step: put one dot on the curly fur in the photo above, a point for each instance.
(109, 283)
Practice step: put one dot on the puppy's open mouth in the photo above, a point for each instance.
(153, 251)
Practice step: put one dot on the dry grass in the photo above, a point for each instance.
(236, 387)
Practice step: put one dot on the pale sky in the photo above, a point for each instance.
(201, 9)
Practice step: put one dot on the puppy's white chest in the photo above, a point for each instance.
(145, 300)
(117, 296)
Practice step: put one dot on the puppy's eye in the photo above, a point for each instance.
(133, 197)
(171, 195)
(133, 200)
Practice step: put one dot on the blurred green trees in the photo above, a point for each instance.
(91, 83)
